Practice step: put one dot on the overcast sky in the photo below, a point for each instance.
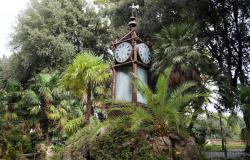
(9, 10)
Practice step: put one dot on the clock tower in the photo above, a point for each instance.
(131, 60)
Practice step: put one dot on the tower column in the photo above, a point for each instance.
(134, 90)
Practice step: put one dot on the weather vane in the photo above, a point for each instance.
(134, 9)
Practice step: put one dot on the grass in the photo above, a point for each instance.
(218, 148)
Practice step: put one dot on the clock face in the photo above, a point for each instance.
(123, 51)
(144, 53)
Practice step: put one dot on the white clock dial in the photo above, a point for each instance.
(123, 51)
(144, 53)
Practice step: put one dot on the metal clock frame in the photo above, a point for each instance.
(133, 61)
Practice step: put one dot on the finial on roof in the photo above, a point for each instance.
(134, 9)
(132, 22)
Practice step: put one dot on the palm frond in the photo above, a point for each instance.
(54, 116)
(73, 125)
(145, 91)
(181, 89)
(86, 69)
(162, 86)
(63, 112)
(65, 104)
(175, 44)
(35, 110)
(9, 116)
(30, 97)
(138, 117)
(52, 108)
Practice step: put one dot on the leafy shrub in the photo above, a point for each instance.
(118, 142)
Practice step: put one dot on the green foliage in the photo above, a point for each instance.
(111, 139)
(84, 71)
(50, 33)
(73, 125)
(245, 107)
(14, 142)
(121, 144)
(176, 44)
(48, 104)
(151, 17)
(83, 76)
(164, 107)
(86, 133)
(101, 1)
(217, 148)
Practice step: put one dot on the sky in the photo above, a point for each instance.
(9, 10)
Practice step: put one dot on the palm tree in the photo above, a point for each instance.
(59, 109)
(164, 106)
(10, 95)
(162, 114)
(13, 93)
(177, 45)
(40, 98)
(83, 76)
(245, 107)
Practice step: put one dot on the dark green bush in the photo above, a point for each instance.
(122, 144)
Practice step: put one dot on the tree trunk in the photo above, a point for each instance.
(88, 111)
(170, 151)
(247, 149)
(222, 137)
(45, 121)
(246, 117)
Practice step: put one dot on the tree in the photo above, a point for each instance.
(151, 17)
(1, 75)
(163, 114)
(225, 26)
(13, 94)
(245, 107)
(14, 138)
(50, 33)
(85, 74)
(165, 105)
(176, 45)
(40, 99)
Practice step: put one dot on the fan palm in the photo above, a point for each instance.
(40, 99)
(12, 96)
(177, 45)
(59, 110)
(84, 75)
